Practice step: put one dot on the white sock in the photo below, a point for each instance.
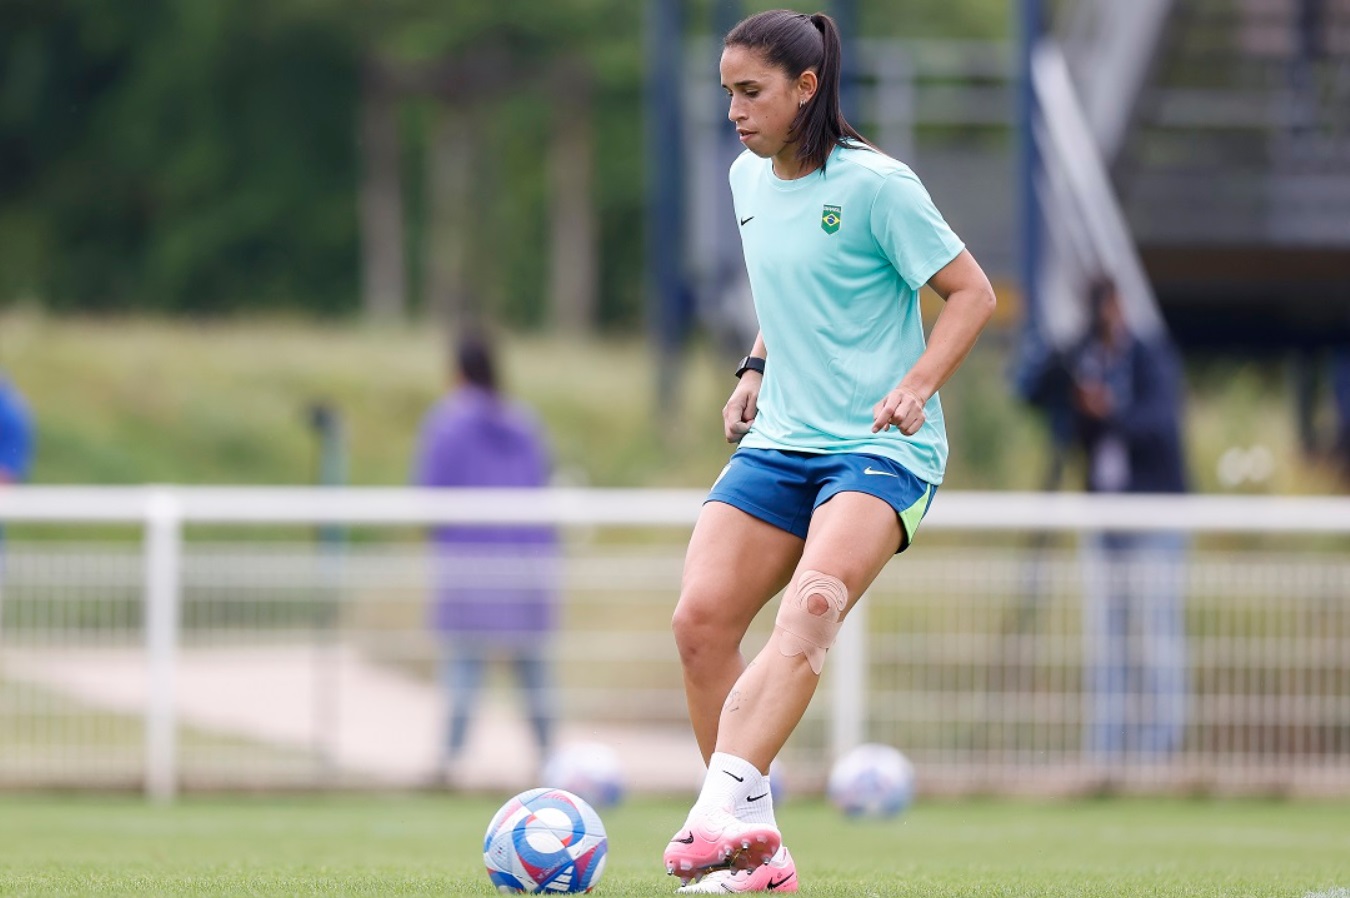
(756, 805)
(727, 782)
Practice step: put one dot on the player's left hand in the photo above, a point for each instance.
(902, 408)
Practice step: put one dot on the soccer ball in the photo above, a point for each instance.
(588, 769)
(545, 840)
(872, 780)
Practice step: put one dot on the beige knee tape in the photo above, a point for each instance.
(810, 617)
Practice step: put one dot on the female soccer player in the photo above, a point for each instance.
(841, 435)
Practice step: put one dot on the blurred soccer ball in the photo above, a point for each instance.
(777, 782)
(872, 780)
(589, 769)
(545, 840)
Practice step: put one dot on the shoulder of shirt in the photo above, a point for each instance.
(872, 163)
(742, 162)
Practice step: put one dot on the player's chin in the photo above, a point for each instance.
(755, 143)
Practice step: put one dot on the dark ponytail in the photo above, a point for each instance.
(793, 43)
(476, 361)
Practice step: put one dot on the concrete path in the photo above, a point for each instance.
(375, 723)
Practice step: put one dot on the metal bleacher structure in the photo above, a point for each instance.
(180, 639)
(1225, 127)
(1235, 172)
(1197, 149)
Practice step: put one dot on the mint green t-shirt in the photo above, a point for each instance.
(836, 261)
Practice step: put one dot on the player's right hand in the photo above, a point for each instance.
(739, 412)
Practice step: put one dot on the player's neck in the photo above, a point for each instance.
(787, 167)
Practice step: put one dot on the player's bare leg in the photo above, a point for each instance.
(852, 537)
(735, 563)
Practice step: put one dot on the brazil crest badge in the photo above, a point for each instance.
(831, 218)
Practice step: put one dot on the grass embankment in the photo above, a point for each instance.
(154, 401)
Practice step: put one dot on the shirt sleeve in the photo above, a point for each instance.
(910, 231)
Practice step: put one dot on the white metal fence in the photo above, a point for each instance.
(217, 644)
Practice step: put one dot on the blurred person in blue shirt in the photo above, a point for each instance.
(16, 444)
(496, 586)
(1126, 398)
(1340, 393)
(16, 434)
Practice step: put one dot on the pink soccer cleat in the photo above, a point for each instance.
(715, 839)
(778, 875)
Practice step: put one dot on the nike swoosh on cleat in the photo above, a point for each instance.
(756, 797)
(739, 779)
(773, 884)
(870, 470)
(688, 841)
(745, 221)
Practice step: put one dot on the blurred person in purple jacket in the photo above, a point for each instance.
(496, 586)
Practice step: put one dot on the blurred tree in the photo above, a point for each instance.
(473, 60)
(208, 158)
(201, 158)
(174, 155)
(384, 277)
(573, 247)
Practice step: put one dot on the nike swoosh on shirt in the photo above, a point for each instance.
(870, 470)
(745, 221)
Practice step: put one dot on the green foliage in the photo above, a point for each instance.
(200, 158)
(969, 20)
(178, 156)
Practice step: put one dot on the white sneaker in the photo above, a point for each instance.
(778, 875)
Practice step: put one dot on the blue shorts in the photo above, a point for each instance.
(785, 488)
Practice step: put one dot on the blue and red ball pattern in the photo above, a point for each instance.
(545, 840)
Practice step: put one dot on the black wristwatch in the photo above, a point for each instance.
(750, 363)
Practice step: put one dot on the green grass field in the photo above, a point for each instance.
(432, 846)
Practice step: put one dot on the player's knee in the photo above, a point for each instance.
(699, 630)
(810, 616)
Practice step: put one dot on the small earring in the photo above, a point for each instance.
(801, 103)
